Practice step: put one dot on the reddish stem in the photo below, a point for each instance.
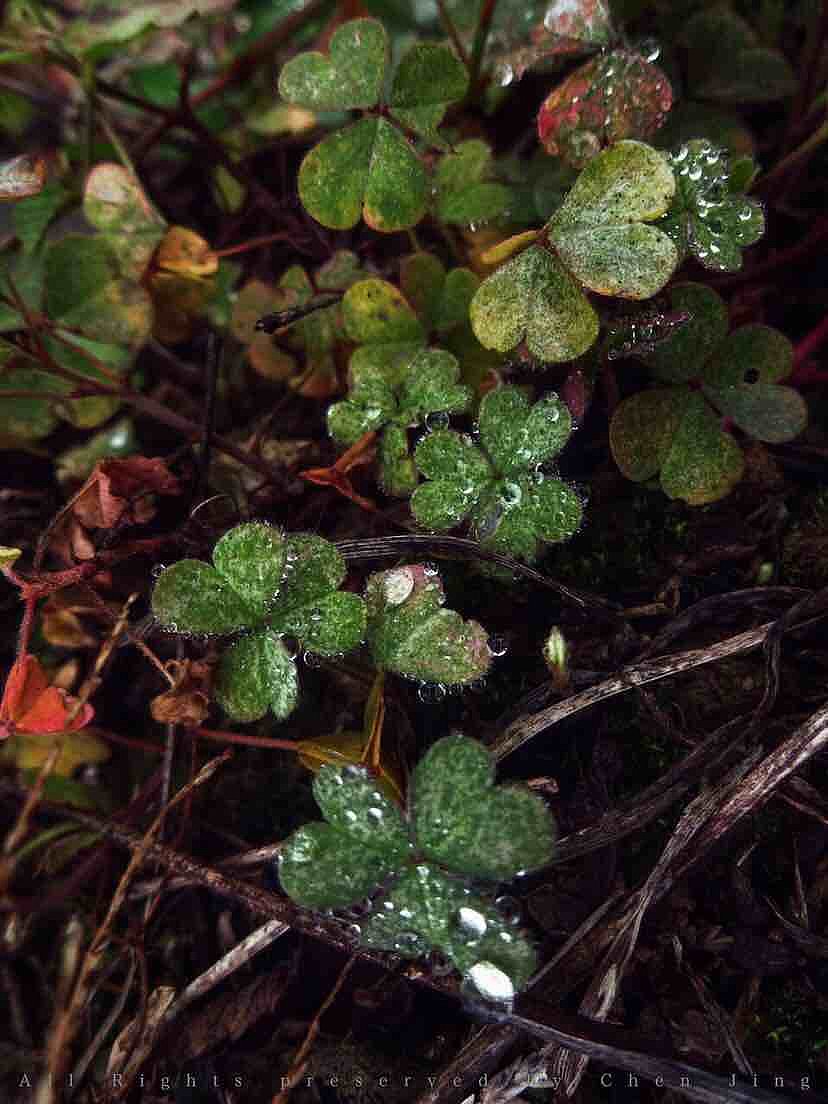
(222, 737)
(802, 372)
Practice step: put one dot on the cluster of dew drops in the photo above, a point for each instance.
(707, 170)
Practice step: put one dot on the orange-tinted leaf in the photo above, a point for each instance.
(22, 176)
(611, 97)
(346, 748)
(336, 476)
(118, 491)
(186, 253)
(31, 705)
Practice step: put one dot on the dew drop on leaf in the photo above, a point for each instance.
(509, 908)
(491, 982)
(471, 922)
(437, 419)
(498, 645)
(431, 693)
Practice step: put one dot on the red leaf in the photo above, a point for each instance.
(30, 704)
(611, 97)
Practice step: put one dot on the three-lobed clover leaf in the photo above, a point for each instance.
(705, 218)
(600, 238)
(397, 397)
(677, 430)
(273, 585)
(511, 504)
(418, 868)
(410, 632)
(371, 169)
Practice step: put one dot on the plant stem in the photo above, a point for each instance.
(484, 25)
(806, 347)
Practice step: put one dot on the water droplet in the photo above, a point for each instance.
(694, 173)
(504, 75)
(350, 815)
(472, 922)
(438, 419)
(316, 614)
(389, 906)
(681, 154)
(353, 933)
(353, 772)
(157, 570)
(310, 659)
(375, 814)
(397, 585)
(511, 495)
(498, 645)
(746, 214)
(509, 908)
(430, 569)
(431, 693)
(491, 982)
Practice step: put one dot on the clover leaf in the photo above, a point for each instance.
(418, 867)
(512, 506)
(274, 585)
(398, 397)
(466, 192)
(705, 218)
(727, 62)
(678, 430)
(602, 232)
(410, 632)
(601, 239)
(616, 95)
(370, 169)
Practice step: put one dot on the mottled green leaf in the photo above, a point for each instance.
(467, 824)
(322, 868)
(350, 77)
(330, 625)
(751, 354)
(252, 558)
(191, 597)
(706, 218)
(422, 276)
(600, 232)
(86, 413)
(430, 385)
(84, 290)
(704, 463)
(428, 909)
(398, 472)
(118, 439)
(458, 471)
(28, 419)
(314, 567)
(767, 412)
(375, 312)
(115, 203)
(682, 356)
(411, 633)
(533, 298)
(350, 801)
(428, 79)
(367, 170)
(466, 192)
(254, 675)
(518, 435)
(642, 430)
